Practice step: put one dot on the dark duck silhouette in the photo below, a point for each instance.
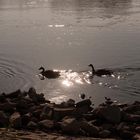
(100, 72)
(49, 73)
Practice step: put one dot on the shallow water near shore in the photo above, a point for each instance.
(67, 35)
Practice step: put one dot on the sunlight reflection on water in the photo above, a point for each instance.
(58, 99)
(69, 78)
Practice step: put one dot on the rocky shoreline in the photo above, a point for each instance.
(29, 112)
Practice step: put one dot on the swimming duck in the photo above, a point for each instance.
(100, 72)
(49, 73)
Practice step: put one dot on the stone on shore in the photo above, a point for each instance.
(15, 120)
(32, 125)
(3, 119)
(90, 129)
(130, 117)
(30, 111)
(70, 125)
(46, 124)
(59, 113)
(111, 113)
(86, 102)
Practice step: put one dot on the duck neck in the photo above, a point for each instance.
(93, 70)
(43, 70)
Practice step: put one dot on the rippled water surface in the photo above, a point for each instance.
(67, 35)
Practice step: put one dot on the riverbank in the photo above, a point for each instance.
(28, 115)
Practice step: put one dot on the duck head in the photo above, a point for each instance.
(90, 65)
(41, 68)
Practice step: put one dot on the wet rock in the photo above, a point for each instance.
(104, 133)
(86, 102)
(70, 125)
(3, 119)
(83, 107)
(46, 124)
(111, 113)
(15, 120)
(59, 113)
(82, 110)
(32, 125)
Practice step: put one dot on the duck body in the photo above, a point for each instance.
(100, 72)
(49, 73)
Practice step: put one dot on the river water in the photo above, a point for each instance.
(67, 35)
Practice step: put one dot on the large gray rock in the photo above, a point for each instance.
(15, 120)
(25, 119)
(111, 113)
(86, 102)
(90, 129)
(47, 112)
(59, 113)
(82, 110)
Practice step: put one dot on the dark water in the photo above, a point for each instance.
(67, 35)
